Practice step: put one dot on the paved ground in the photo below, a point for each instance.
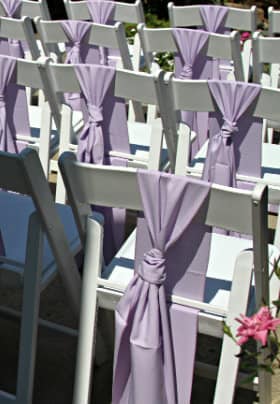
(56, 357)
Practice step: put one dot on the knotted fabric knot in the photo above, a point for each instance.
(228, 129)
(2, 100)
(95, 114)
(152, 268)
(187, 72)
(76, 46)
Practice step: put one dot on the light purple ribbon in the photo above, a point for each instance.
(144, 369)
(102, 12)
(233, 100)
(190, 44)
(95, 81)
(76, 32)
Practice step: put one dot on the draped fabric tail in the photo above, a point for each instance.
(102, 12)
(103, 130)
(144, 350)
(76, 32)
(189, 64)
(7, 136)
(233, 100)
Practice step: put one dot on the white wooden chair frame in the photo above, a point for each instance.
(219, 46)
(32, 74)
(140, 87)
(26, 177)
(237, 19)
(108, 36)
(111, 186)
(194, 95)
(266, 50)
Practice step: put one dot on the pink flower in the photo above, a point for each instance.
(245, 36)
(257, 326)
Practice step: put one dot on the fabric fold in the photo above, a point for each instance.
(144, 351)
(12, 9)
(94, 81)
(76, 32)
(213, 18)
(102, 12)
(7, 139)
(233, 99)
(189, 63)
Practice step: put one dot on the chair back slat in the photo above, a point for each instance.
(124, 12)
(100, 185)
(237, 19)
(273, 21)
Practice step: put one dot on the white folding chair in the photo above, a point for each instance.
(40, 240)
(237, 19)
(266, 51)
(110, 37)
(219, 46)
(132, 13)
(231, 209)
(33, 130)
(146, 139)
(124, 12)
(224, 47)
(31, 9)
(194, 95)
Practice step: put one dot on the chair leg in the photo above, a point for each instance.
(30, 312)
(86, 339)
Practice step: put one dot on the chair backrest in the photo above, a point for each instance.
(26, 177)
(127, 85)
(273, 21)
(31, 9)
(195, 95)
(23, 74)
(109, 36)
(17, 29)
(266, 51)
(232, 19)
(87, 185)
(236, 18)
(226, 47)
(124, 12)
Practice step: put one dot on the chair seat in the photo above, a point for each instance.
(15, 210)
(223, 254)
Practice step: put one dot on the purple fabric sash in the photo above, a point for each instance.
(105, 130)
(7, 138)
(102, 12)
(189, 64)
(213, 18)
(148, 367)
(12, 9)
(233, 100)
(94, 82)
(76, 32)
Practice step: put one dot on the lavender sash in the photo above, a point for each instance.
(213, 18)
(150, 364)
(7, 138)
(76, 32)
(12, 8)
(105, 129)
(94, 83)
(102, 12)
(189, 64)
(233, 100)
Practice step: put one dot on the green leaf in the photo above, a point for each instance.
(227, 330)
